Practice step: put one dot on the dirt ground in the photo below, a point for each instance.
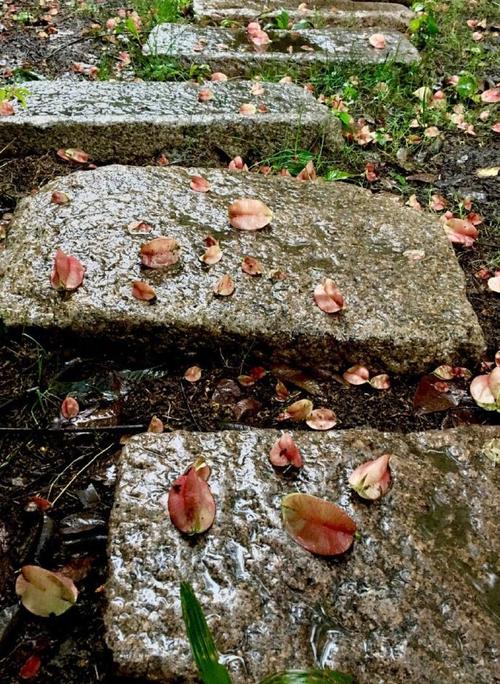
(41, 456)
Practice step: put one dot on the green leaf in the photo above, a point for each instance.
(467, 85)
(203, 646)
(337, 174)
(343, 116)
(309, 677)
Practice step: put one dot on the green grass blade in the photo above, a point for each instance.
(308, 677)
(202, 643)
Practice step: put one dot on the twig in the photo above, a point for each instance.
(189, 407)
(64, 489)
(73, 431)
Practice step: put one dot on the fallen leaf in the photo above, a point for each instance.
(58, 197)
(213, 252)
(249, 214)
(193, 374)
(321, 419)
(377, 40)
(308, 173)
(257, 89)
(371, 480)
(67, 272)
(447, 372)
(494, 283)
(370, 173)
(248, 109)
(381, 382)
(432, 132)
(43, 592)
(328, 297)
(6, 109)
(285, 452)
(31, 667)
(496, 127)
(191, 505)
(237, 164)
(461, 231)
(281, 391)
(246, 407)
(155, 425)
(160, 252)
(488, 172)
(225, 286)
(298, 378)
(298, 411)
(205, 95)
(433, 395)
(485, 390)
(69, 408)
(218, 76)
(72, 154)
(252, 266)
(317, 525)
(139, 227)
(491, 95)
(199, 184)
(143, 291)
(357, 375)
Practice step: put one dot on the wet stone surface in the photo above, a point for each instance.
(401, 314)
(231, 52)
(334, 13)
(415, 600)
(126, 121)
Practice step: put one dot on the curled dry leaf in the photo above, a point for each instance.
(43, 592)
(69, 408)
(321, 419)
(73, 154)
(281, 391)
(249, 214)
(205, 95)
(308, 173)
(252, 266)
(67, 272)
(191, 505)
(6, 108)
(202, 468)
(237, 164)
(143, 291)
(447, 372)
(461, 231)
(155, 425)
(199, 184)
(248, 109)
(328, 297)
(225, 286)
(160, 252)
(357, 375)
(317, 525)
(193, 374)
(59, 197)
(494, 283)
(218, 76)
(381, 382)
(139, 227)
(285, 452)
(377, 40)
(256, 373)
(485, 390)
(246, 407)
(371, 480)
(213, 252)
(298, 411)
(257, 88)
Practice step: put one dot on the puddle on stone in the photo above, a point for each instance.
(446, 524)
(443, 459)
(281, 41)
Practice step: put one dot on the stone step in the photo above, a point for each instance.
(415, 600)
(404, 290)
(331, 12)
(127, 121)
(231, 52)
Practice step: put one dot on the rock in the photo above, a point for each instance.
(338, 13)
(127, 121)
(415, 600)
(403, 314)
(231, 52)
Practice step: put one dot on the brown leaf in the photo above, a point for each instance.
(298, 411)
(225, 286)
(199, 184)
(143, 291)
(160, 252)
(321, 419)
(193, 374)
(252, 266)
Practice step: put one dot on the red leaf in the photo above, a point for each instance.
(30, 668)
(434, 395)
(70, 408)
(143, 291)
(191, 505)
(249, 214)
(160, 252)
(490, 96)
(285, 452)
(199, 184)
(67, 272)
(377, 40)
(237, 164)
(213, 252)
(328, 297)
(218, 76)
(205, 94)
(316, 524)
(6, 109)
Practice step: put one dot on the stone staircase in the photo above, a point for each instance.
(412, 601)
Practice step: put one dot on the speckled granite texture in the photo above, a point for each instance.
(331, 12)
(402, 315)
(127, 121)
(230, 50)
(415, 600)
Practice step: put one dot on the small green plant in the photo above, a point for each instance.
(424, 26)
(206, 656)
(13, 92)
(282, 20)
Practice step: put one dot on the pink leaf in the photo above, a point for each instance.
(205, 95)
(69, 408)
(491, 96)
(139, 227)
(356, 375)
(461, 231)
(143, 291)
(199, 184)
(248, 109)
(381, 382)
(59, 198)
(371, 480)
(317, 525)
(377, 40)
(328, 297)
(257, 89)
(225, 286)
(252, 266)
(321, 419)
(494, 283)
(298, 411)
(191, 505)
(308, 173)
(285, 453)
(218, 76)
(237, 164)
(67, 272)
(249, 214)
(193, 374)
(6, 109)
(213, 252)
(160, 252)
